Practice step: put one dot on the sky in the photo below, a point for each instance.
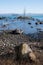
(18, 6)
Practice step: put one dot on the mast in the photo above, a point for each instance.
(24, 12)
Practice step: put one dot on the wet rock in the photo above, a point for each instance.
(39, 22)
(16, 31)
(19, 31)
(36, 23)
(29, 23)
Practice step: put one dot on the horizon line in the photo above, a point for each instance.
(20, 13)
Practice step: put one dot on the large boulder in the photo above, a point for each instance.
(26, 51)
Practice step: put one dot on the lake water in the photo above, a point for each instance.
(13, 23)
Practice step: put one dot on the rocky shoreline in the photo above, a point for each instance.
(9, 45)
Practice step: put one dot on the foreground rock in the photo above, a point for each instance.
(26, 50)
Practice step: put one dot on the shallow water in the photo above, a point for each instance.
(21, 24)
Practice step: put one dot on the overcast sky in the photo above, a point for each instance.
(17, 6)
